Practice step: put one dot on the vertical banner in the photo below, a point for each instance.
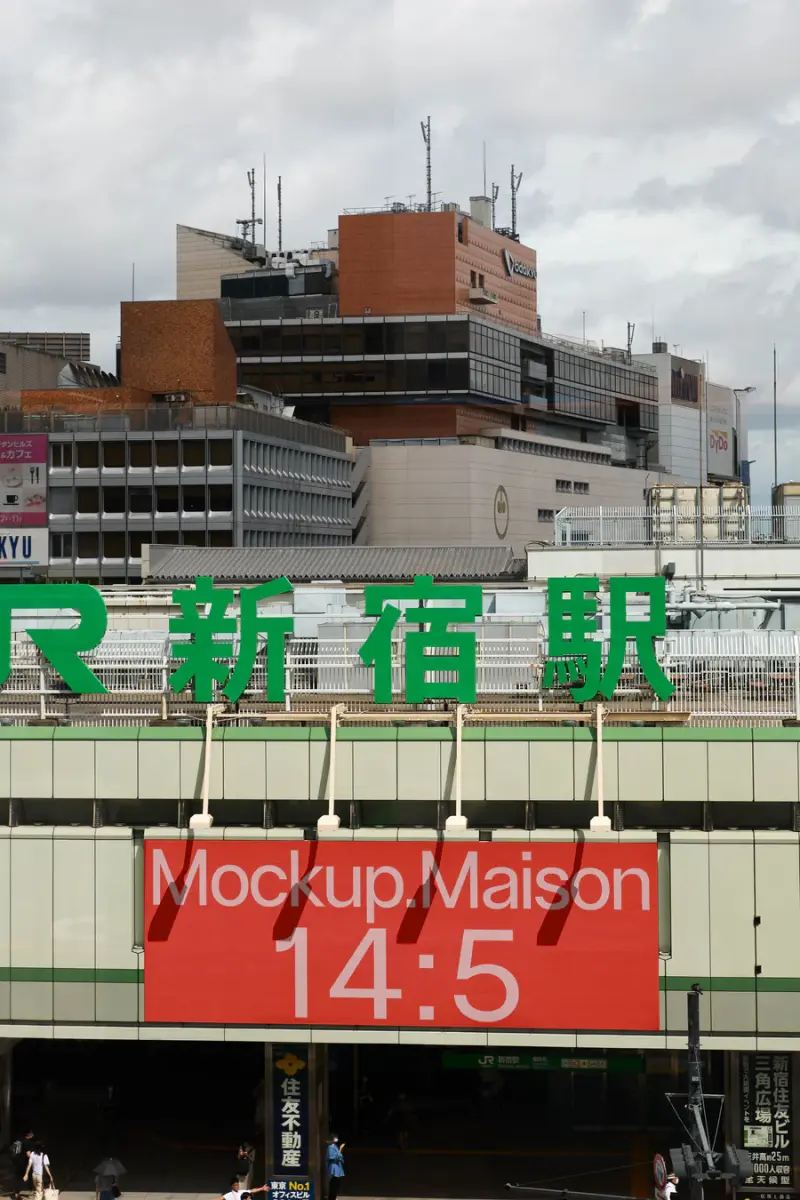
(766, 1085)
(291, 1136)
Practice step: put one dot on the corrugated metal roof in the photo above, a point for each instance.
(348, 564)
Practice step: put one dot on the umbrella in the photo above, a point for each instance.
(110, 1166)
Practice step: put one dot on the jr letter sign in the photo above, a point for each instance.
(426, 934)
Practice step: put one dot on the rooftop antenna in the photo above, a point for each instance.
(280, 216)
(516, 180)
(631, 332)
(248, 224)
(495, 194)
(426, 137)
(264, 198)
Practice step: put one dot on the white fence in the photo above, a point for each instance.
(676, 526)
(720, 677)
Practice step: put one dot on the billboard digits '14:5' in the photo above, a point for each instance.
(423, 934)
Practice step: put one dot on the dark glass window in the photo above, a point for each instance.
(458, 337)
(437, 337)
(416, 337)
(373, 337)
(141, 453)
(395, 337)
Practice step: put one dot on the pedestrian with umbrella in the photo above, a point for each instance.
(106, 1179)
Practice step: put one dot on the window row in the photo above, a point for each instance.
(285, 504)
(493, 343)
(279, 537)
(623, 381)
(129, 545)
(399, 375)
(120, 454)
(376, 337)
(492, 380)
(578, 402)
(137, 501)
(296, 464)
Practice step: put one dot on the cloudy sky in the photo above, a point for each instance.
(658, 141)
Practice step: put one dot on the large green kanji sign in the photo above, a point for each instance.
(575, 655)
(216, 647)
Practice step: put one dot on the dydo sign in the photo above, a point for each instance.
(421, 934)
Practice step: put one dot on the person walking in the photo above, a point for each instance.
(335, 1161)
(38, 1164)
(245, 1161)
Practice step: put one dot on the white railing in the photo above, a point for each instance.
(720, 677)
(676, 526)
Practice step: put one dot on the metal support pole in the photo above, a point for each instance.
(600, 823)
(330, 820)
(204, 819)
(458, 822)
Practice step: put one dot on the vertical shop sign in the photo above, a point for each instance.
(291, 1123)
(767, 1122)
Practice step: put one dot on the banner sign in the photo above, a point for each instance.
(766, 1084)
(290, 1112)
(23, 479)
(215, 646)
(417, 934)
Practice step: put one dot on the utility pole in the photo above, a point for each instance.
(696, 1162)
(426, 137)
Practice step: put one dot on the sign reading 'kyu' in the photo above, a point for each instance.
(424, 935)
(216, 647)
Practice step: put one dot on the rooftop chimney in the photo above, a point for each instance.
(480, 210)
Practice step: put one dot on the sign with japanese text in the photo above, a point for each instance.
(290, 1111)
(575, 655)
(766, 1086)
(416, 934)
(215, 646)
(23, 480)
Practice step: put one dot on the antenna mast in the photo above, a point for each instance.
(495, 194)
(280, 215)
(516, 180)
(248, 224)
(426, 137)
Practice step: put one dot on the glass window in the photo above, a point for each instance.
(167, 454)
(87, 454)
(166, 499)
(416, 337)
(113, 545)
(87, 500)
(114, 500)
(88, 545)
(193, 452)
(141, 453)
(373, 337)
(194, 498)
(220, 452)
(437, 337)
(60, 454)
(457, 337)
(140, 499)
(395, 337)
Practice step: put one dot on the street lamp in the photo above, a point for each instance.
(737, 393)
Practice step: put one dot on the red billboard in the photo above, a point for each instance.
(458, 935)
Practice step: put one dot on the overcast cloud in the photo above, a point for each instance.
(658, 139)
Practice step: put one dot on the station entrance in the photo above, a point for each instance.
(417, 1121)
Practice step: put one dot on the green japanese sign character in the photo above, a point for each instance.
(377, 649)
(572, 622)
(207, 656)
(61, 647)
